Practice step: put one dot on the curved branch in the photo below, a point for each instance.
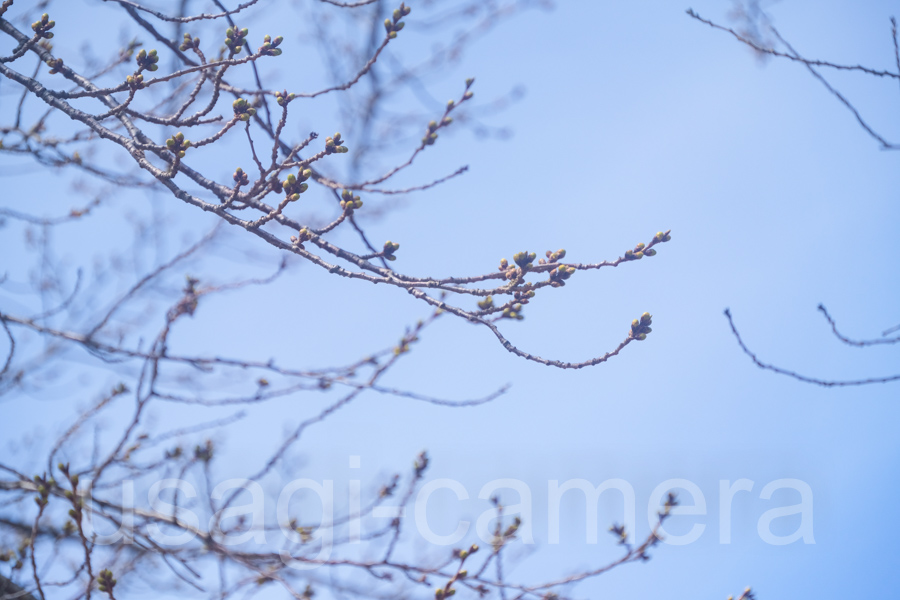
(797, 376)
(857, 343)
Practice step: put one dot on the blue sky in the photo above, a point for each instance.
(636, 119)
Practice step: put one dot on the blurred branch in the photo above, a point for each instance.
(810, 64)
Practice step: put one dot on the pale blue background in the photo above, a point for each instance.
(636, 118)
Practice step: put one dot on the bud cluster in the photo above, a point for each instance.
(513, 312)
(135, 82)
(389, 249)
(349, 202)
(105, 582)
(42, 28)
(77, 503)
(242, 109)
(55, 65)
(333, 145)
(189, 43)
(393, 25)
(641, 327)
(641, 250)
(553, 257)
(283, 97)
(270, 46)
(524, 259)
(420, 464)
(620, 533)
(146, 61)
(178, 145)
(431, 135)
(240, 177)
(43, 489)
(294, 185)
(204, 453)
(235, 38)
(559, 275)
